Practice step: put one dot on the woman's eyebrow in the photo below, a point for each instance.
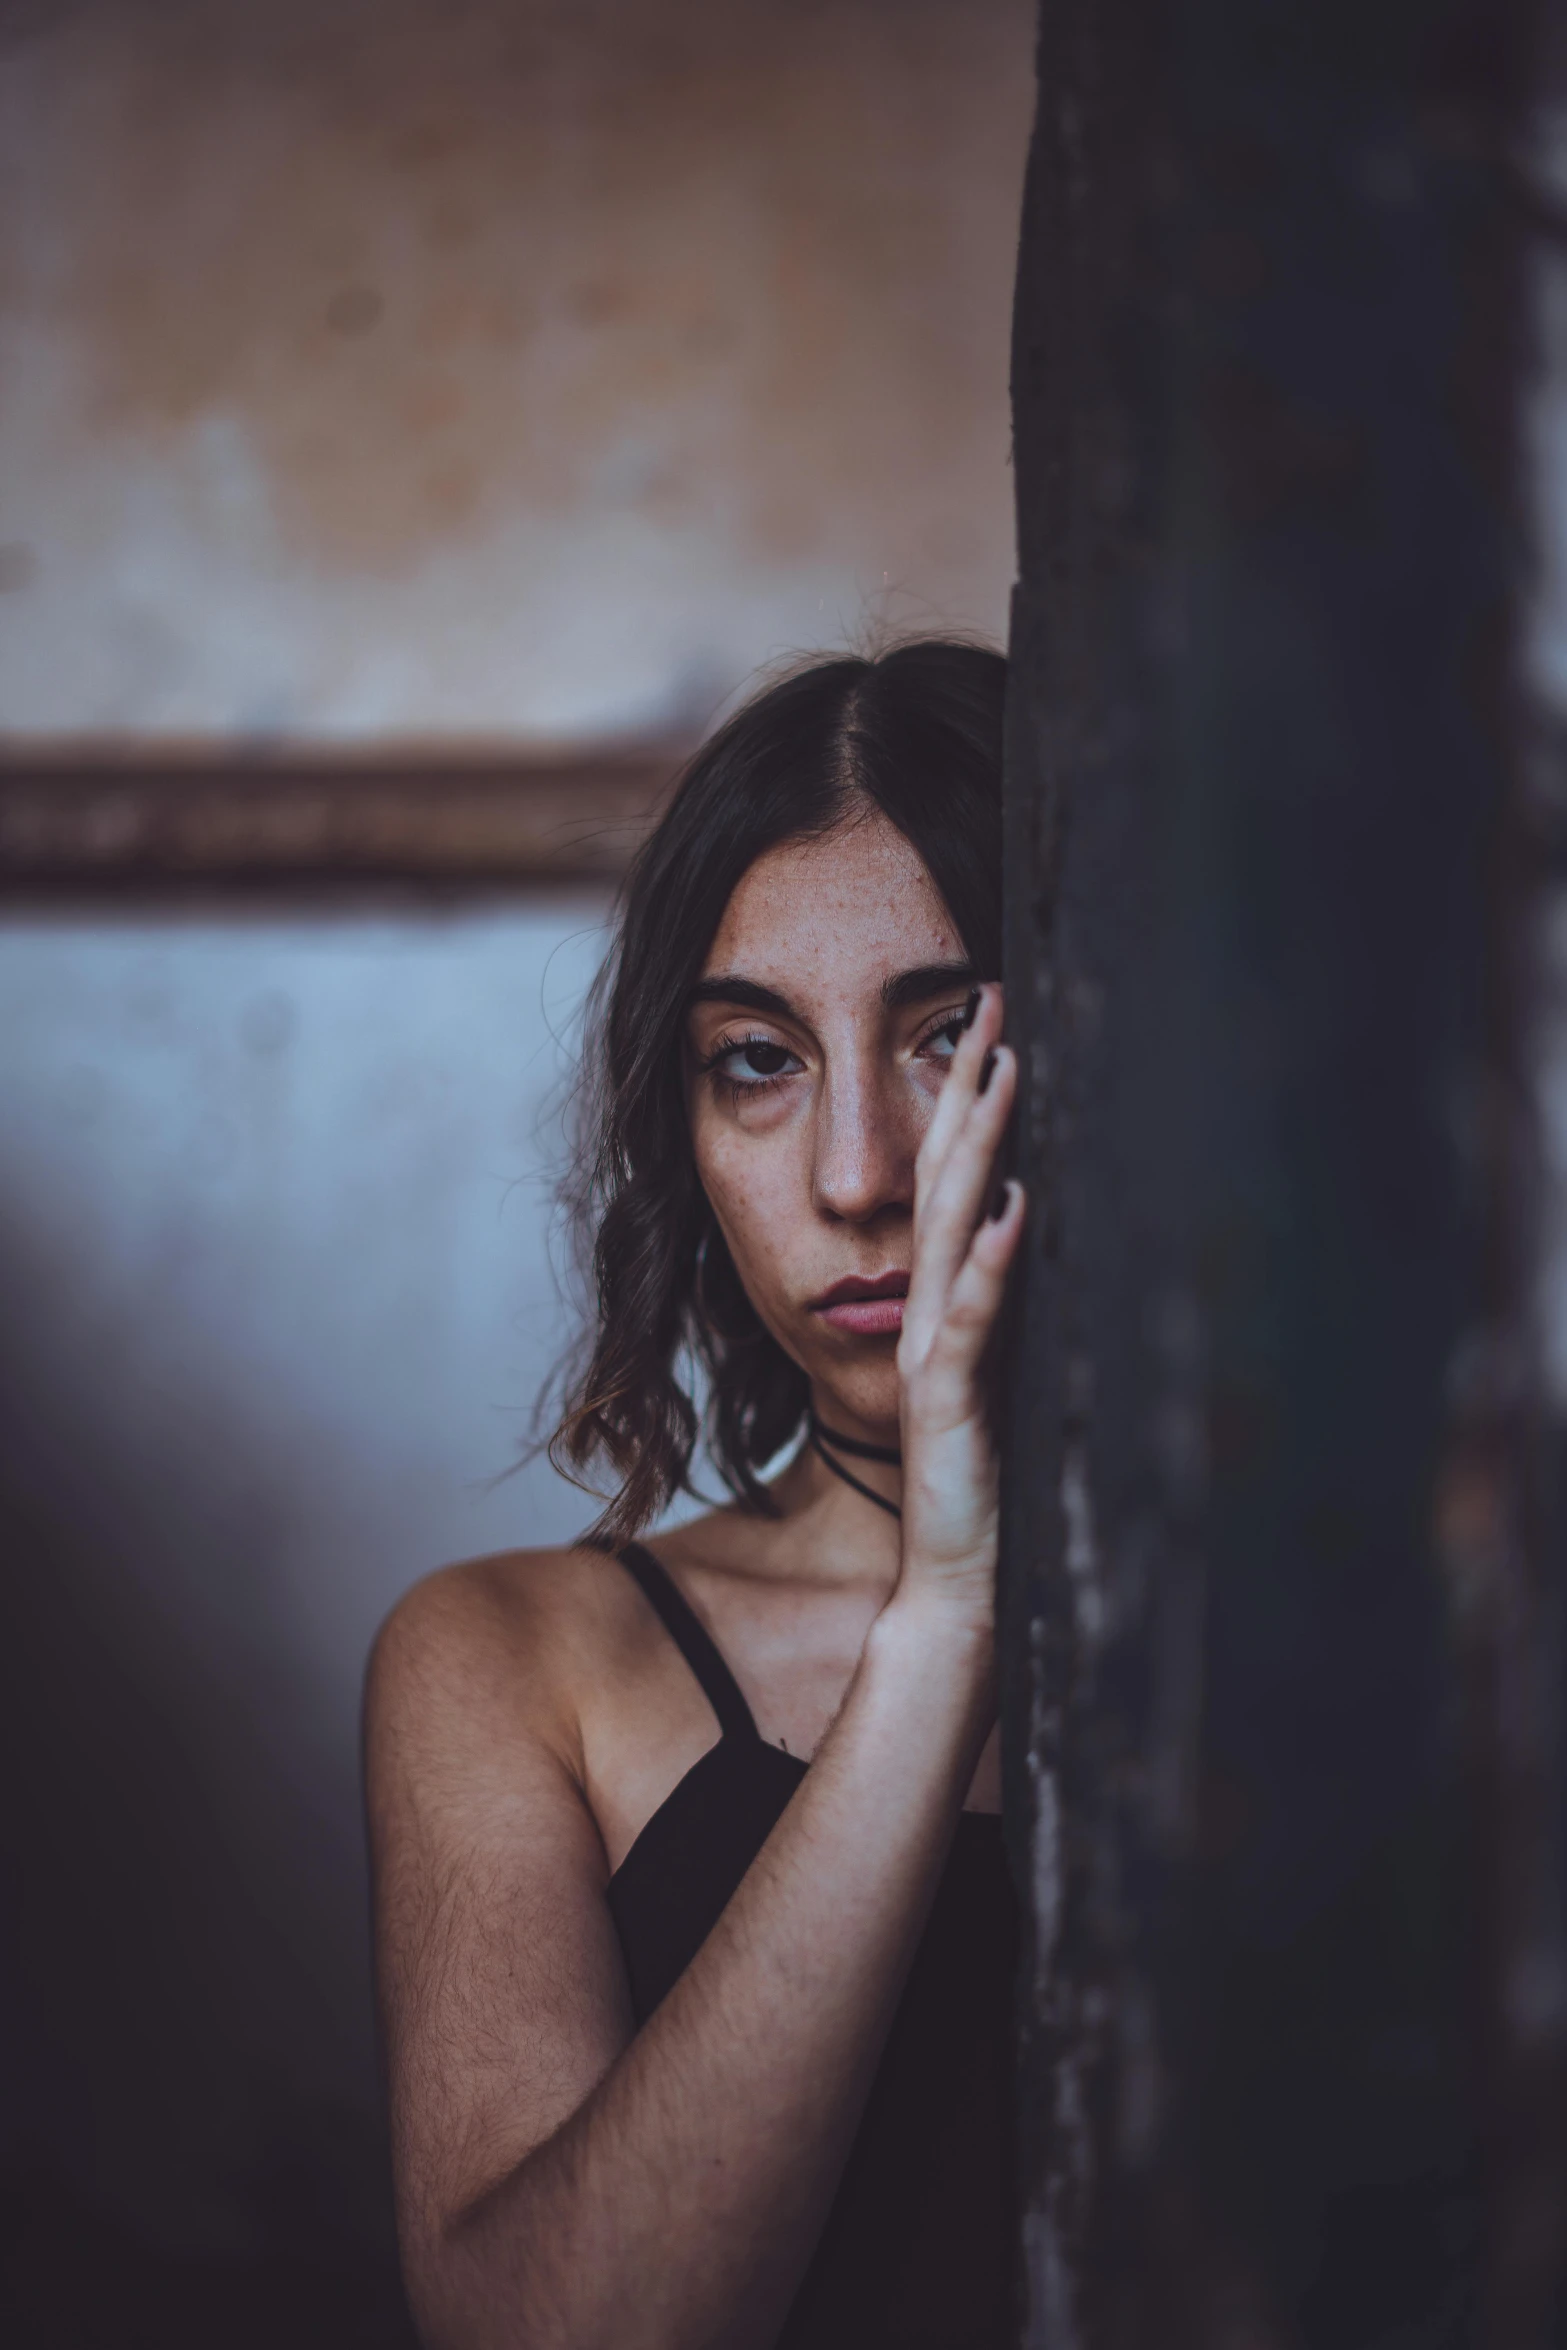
(728, 988)
(928, 979)
(902, 989)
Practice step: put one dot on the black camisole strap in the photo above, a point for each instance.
(680, 1621)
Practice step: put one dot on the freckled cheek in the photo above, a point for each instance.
(759, 1187)
(926, 1080)
(919, 1099)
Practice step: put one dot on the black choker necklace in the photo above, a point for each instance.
(821, 1438)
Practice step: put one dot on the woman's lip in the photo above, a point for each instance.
(865, 1317)
(854, 1286)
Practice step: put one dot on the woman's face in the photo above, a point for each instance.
(829, 1005)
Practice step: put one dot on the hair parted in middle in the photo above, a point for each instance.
(914, 732)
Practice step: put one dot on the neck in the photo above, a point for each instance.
(859, 1459)
(830, 1412)
(828, 1534)
(841, 1441)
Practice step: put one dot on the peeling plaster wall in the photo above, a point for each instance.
(463, 369)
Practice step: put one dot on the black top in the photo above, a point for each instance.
(917, 2250)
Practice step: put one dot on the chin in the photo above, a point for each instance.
(867, 1391)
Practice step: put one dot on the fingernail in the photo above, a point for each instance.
(971, 1007)
(987, 1069)
(998, 1206)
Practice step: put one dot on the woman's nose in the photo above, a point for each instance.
(865, 1146)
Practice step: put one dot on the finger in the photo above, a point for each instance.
(951, 1208)
(974, 1299)
(952, 1201)
(961, 1082)
(963, 1074)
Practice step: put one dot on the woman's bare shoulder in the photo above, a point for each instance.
(499, 1641)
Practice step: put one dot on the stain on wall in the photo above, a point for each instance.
(489, 370)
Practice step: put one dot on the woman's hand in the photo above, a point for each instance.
(962, 1250)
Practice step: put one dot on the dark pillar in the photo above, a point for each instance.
(1281, 1585)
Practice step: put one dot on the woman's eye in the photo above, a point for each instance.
(754, 1061)
(943, 1042)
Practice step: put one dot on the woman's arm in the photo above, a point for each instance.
(564, 2183)
(567, 2184)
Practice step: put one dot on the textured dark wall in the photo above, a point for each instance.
(1282, 1583)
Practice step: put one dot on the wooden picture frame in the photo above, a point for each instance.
(73, 820)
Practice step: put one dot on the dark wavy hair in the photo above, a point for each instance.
(914, 732)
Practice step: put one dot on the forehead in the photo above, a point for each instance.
(849, 909)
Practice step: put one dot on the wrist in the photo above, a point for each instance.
(934, 1638)
(932, 1663)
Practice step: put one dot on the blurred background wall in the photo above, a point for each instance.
(395, 376)
(373, 367)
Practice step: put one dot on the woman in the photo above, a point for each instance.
(707, 2043)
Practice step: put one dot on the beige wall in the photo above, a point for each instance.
(451, 368)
